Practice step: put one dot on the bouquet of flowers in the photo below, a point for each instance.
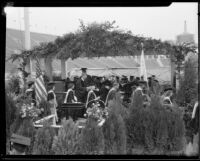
(97, 112)
(29, 111)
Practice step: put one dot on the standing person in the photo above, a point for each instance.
(155, 85)
(132, 78)
(51, 98)
(82, 86)
(88, 79)
(30, 92)
(106, 86)
(70, 95)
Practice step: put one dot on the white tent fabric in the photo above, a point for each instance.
(143, 71)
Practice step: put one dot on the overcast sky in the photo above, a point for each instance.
(163, 23)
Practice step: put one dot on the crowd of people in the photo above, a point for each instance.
(78, 87)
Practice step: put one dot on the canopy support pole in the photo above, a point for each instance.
(48, 67)
(63, 69)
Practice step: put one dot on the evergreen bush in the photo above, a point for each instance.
(155, 126)
(68, 139)
(27, 129)
(13, 84)
(92, 139)
(188, 91)
(44, 140)
(11, 110)
(114, 130)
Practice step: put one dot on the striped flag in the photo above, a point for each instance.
(143, 71)
(40, 90)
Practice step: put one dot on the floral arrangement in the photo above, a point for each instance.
(97, 112)
(30, 111)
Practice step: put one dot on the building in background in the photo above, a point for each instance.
(185, 37)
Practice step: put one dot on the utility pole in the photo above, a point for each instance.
(27, 35)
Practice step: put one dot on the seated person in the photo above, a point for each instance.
(70, 95)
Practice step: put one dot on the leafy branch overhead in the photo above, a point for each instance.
(106, 39)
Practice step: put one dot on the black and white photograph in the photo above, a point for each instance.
(102, 80)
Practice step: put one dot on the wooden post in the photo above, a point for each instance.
(63, 69)
(48, 67)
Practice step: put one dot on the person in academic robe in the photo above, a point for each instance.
(131, 78)
(88, 80)
(51, 98)
(82, 88)
(30, 92)
(106, 86)
(70, 95)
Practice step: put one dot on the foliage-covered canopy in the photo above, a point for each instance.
(96, 40)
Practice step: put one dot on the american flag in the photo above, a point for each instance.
(40, 90)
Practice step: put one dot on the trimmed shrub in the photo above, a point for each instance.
(28, 130)
(188, 91)
(44, 140)
(92, 139)
(10, 113)
(114, 131)
(13, 84)
(155, 126)
(67, 141)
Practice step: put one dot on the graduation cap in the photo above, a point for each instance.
(124, 77)
(30, 83)
(168, 89)
(83, 69)
(70, 81)
(142, 82)
(107, 83)
(156, 80)
(51, 83)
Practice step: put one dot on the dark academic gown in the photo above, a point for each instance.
(80, 91)
(71, 97)
(103, 93)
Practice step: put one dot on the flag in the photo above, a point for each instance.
(40, 90)
(143, 71)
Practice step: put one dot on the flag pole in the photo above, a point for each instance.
(27, 34)
(143, 66)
